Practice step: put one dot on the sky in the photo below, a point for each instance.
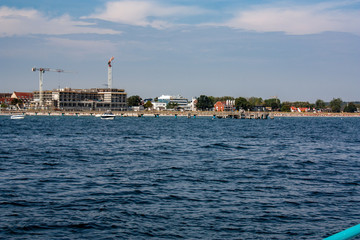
(295, 50)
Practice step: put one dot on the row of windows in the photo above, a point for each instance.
(114, 99)
(89, 105)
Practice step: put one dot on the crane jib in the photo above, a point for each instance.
(47, 70)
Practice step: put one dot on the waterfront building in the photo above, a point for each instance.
(5, 95)
(193, 103)
(146, 100)
(5, 100)
(158, 106)
(137, 108)
(299, 109)
(83, 99)
(228, 105)
(47, 100)
(179, 100)
(25, 97)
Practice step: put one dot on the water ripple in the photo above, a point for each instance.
(166, 178)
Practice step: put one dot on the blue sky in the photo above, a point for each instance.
(295, 50)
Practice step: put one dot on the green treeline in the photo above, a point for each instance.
(205, 103)
(274, 104)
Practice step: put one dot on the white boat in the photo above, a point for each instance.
(98, 115)
(18, 116)
(108, 115)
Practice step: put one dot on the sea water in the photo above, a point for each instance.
(178, 178)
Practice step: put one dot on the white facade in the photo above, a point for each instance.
(193, 104)
(158, 106)
(138, 108)
(181, 101)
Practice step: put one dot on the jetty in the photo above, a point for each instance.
(244, 115)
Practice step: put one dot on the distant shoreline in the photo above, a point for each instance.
(171, 113)
(323, 114)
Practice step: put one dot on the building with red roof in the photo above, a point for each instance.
(299, 109)
(228, 105)
(5, 100)
(25, 97)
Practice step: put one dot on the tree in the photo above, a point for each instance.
(254, 101)
(204, 103)
(224, 98)
(301, 104)
(134, 101)
(274, 103)
(350, 107)
(335, 104)
(242, 103)
(172, 105)
(320, 104)
(148, 104)
(213, 99)
(285, 107)
(15, 101)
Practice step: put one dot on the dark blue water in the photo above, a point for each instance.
(167, 178)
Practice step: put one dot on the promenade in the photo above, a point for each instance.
(146, 113)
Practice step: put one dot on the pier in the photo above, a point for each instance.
(244, 115)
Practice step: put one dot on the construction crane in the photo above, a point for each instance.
(110, 73)
(41, 72)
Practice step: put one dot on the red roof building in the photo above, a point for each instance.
(24, 96)
(5, 95)
(5, 100)
(227, 105)
(300, 109)
(219, 106)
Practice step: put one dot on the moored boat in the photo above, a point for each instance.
(108, 115)
(17, 116)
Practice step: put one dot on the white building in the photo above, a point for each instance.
(193, 104)
(179, 100)
(158, 106)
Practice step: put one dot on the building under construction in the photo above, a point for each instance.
(94, 99)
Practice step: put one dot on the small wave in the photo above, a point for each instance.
(13, 204)
(36, 227)
(223, 146)
(250, 136)
(351, 183)
(50, 163)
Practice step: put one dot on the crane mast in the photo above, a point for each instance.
(110, 73)
(41, 72)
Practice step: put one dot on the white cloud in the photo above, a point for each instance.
(143, 13)
(298, 20)
(85, 46)
(27, 21)
(291, 19)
